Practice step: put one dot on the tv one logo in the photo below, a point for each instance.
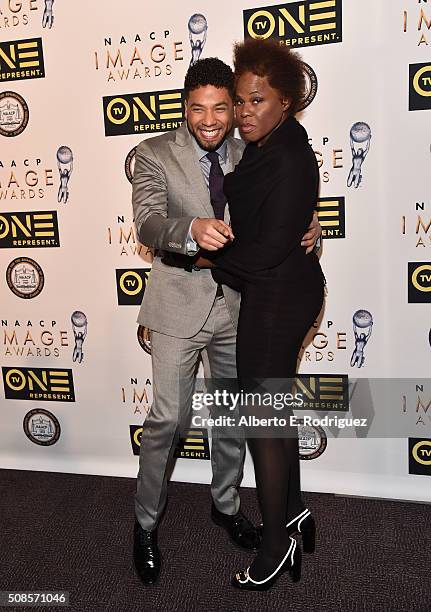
(331, 215)
(323, 391)
(29, 229)
(38, 384)
(131, 285)
(296, 24)
(150, 112)
(420, 86)
(419, 282)
(420, 456)
(193, 445)
(21, 59)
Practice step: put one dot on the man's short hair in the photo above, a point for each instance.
(209, 71)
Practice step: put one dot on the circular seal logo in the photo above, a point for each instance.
(14, 113)
(129, 164)
(144, 338)
(312, 441)
(25, 277)
(41, 427)
(310, 86)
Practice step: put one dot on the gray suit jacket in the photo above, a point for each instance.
(169, 190)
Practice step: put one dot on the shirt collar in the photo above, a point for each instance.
(222, 150)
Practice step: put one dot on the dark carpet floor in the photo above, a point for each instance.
(73, 532)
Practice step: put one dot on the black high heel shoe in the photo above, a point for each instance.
(291, 563)
(304, 525)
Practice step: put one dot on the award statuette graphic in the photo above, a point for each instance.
(362, 328)
(65, 167)
(79, 325)
(198, 34)
(48, 17)
(360, 138)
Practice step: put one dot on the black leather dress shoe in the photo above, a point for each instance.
(241, 531)
(146, 554)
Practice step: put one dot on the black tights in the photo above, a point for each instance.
(271, 329)
(276, 464)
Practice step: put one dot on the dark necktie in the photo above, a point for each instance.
(216, 178)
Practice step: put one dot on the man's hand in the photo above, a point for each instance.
(211, 234)
(314, 231)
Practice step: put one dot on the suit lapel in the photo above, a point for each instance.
(235, 151)
(184, 151)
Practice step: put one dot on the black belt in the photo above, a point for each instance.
(178, 260)
(185, 262)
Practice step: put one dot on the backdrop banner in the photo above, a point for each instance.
(81, 85)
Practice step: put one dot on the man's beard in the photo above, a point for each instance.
(213, 146)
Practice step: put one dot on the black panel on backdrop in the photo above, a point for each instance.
(420, 456)
(296, 24)
(30, 229)
(42, 384)
(131, 285)
(144, 112)
(420, 86)
(332, 217)
(21, 60)
(328, 392)
(419, 282)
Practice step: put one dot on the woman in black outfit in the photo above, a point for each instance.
(272, 194)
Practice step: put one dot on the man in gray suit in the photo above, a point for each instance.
(179, 208)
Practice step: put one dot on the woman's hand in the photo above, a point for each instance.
(313, 234)
(202, 262)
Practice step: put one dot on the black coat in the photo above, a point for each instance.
(272, 194)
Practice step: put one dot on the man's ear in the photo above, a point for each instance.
(286, 103)
(185, 108)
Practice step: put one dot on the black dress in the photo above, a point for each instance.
(272, 194)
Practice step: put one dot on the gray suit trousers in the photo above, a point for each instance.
(174, 369)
